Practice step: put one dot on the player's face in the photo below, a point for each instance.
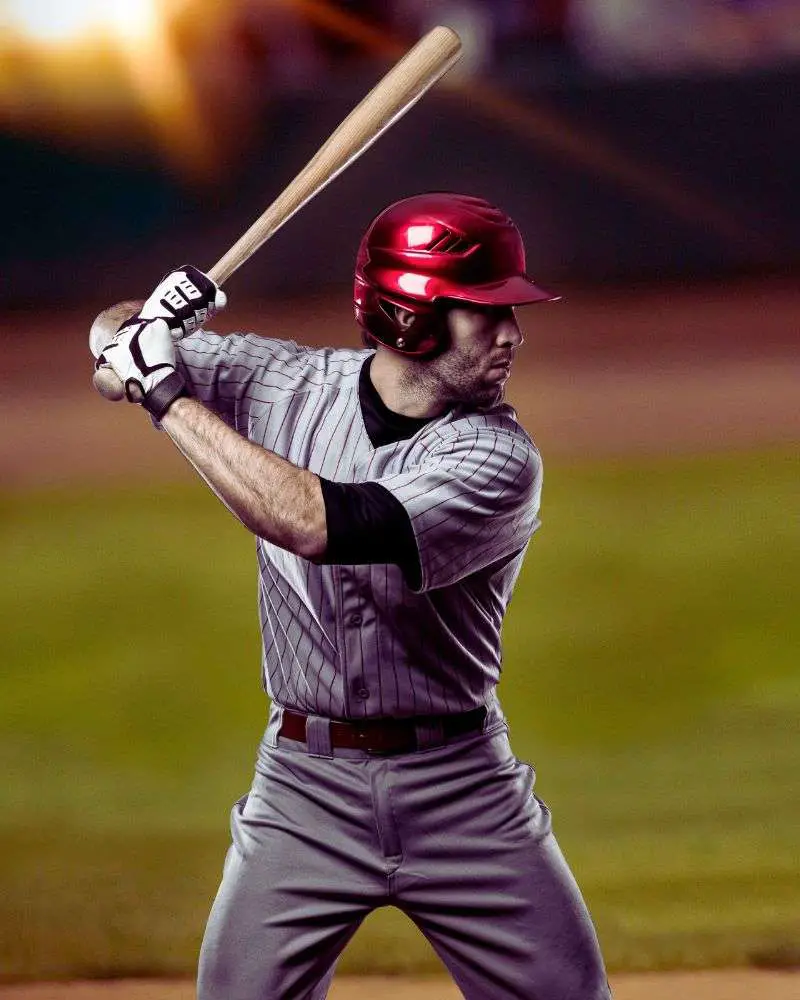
(477, 365)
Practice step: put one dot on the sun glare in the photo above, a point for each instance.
(64, 22)
(54, 22)
(133, 18)
(94, 59)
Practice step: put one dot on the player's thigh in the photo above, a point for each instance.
(253, 949)
(295, 887)
(484, 878)
(514, 928)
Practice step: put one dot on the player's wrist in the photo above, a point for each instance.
(161, 397)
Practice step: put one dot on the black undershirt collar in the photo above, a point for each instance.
(383, 425)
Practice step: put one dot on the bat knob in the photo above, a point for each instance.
(101, 334)
(107, 323)
(108, 383)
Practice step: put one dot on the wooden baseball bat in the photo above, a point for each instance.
(385, 104)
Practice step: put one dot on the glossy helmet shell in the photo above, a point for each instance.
(431, 248)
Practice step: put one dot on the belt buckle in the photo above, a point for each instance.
(374, 739)
(362, 736)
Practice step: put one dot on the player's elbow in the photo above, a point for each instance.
(311, 536)
(301, 526)
(308, 542)
(312, 543)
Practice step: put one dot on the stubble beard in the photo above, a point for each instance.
(450, 382)
(459, 383)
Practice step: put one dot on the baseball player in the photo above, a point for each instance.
(393, 495)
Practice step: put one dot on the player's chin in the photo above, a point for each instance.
(488, 396)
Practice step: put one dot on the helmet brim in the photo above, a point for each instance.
(514, 291)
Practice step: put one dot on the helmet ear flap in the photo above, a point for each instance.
(419, 333)
(402, 319)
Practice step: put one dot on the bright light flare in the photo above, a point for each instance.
(414, 284)
(65, 22)
(134, 19)
(65, 63)
(419, 236)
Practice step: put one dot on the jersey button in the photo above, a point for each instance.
(359, 688)
(356, 619)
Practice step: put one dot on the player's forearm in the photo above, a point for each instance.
(272, 497)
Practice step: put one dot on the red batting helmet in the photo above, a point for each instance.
(432, 247)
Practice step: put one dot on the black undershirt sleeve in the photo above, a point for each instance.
(366, 524)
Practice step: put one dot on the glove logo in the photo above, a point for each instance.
(176, 298)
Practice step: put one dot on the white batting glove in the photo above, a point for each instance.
(186, 298)
(143, 356)
(143, 352)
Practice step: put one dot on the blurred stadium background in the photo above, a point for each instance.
(650, 152)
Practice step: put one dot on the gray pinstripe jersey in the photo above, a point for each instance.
(355, 641)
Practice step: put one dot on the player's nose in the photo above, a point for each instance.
(507, 332)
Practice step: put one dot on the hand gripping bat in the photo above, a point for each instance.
(385, 104)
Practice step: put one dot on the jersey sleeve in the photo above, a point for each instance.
(368, 525)
(472, 501)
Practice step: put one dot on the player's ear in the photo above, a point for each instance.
(403, 317)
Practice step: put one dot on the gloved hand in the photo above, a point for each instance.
(143, 356)
(186, 298)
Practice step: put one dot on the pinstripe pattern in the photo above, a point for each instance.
(355, 641)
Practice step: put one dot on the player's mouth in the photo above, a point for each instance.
(501, 369)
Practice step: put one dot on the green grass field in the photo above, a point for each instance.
(651, 654)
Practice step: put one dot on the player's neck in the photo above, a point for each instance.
(399, 389)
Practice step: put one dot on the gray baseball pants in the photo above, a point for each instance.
(451, 835)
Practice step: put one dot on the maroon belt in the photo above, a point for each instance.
(385, 735)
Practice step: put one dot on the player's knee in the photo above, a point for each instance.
(577, 977)
(215, 977)
(585, 982)
(225, 971)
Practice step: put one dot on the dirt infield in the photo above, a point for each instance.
(602, 374)
(744, 984)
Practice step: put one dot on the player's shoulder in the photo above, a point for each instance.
(497, 425)
(491, 444)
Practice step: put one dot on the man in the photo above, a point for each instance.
(393, 496)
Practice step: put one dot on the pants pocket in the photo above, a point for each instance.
(238, 834)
